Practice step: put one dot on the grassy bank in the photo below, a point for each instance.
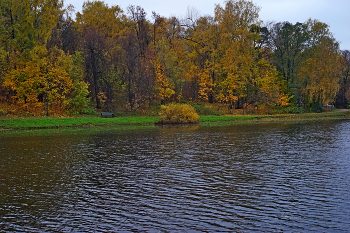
(42, 123)
(288, 117)
(47, 123)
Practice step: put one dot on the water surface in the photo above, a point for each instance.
(242, 178)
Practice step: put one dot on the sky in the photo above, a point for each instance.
(335, 13)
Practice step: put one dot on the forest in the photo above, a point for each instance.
(54, 61)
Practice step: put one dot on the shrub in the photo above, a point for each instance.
(205, 110)
(178, 114)
(90, 111)
(290, 109)
(79, 102)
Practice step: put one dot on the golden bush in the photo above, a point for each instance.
(178, 114)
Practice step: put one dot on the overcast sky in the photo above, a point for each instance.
(336, 13)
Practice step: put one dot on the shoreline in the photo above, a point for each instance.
(89, 122)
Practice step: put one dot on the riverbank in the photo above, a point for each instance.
(277, 117)
(84, 122)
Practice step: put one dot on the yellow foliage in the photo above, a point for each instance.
(163, 89)
(236, 56)
(270, 85)
(169, 92)
(102, 97)
(42, 79)
(320, 74)
(178, 114)
(205, 81)
(109, 20)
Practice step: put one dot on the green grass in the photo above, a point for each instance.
(39, 123)
(304, 116)
(47, 123)
(269, 117)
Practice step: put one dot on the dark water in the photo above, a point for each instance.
(245, 178)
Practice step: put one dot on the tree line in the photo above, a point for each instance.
(108, 59)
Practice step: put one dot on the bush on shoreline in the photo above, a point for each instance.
(178, 114)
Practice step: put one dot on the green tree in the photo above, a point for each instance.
(26, 24)
(288, 42)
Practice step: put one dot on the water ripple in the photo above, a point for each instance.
(275, 177)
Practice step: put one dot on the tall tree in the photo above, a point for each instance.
(27, 23)
(37, 75)
(101, 47)
(143, 55)
(236, 49)
(320, 72)
(95, 47)
(202, 38)
(343, 96)
(288, 41)
(46, 80)
(169, 56)
(108, 20)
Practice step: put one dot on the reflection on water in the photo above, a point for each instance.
(266, 177)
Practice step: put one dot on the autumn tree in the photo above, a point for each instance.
(169, 51)
(140, 73)
(26, 24)
(236, 49)
(65, 35)
(37, 77)
(108, 20)
(269, 89)
(202, 39)
(44, 84)
(95, 47)
(101, 48)
(50, 63)
(343, 96)
(320, 72)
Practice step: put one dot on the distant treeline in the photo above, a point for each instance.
(108, 59)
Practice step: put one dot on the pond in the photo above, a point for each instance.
(210, 178)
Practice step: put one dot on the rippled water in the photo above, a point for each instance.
(243, 178)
